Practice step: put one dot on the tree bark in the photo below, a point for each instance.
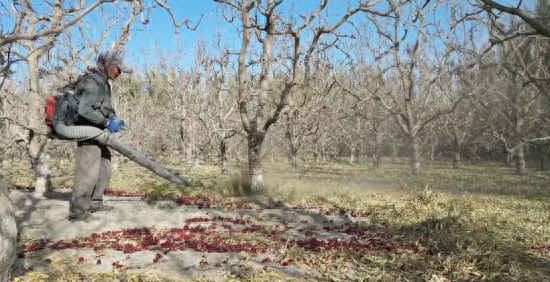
(255, 142)
(415, 155)
(456, 159)
(38, 144)
(8, 232)
(8, 227)
(520, 160)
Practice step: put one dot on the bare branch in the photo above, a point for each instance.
(520, 13)
(52, 30)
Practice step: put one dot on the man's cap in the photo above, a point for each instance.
(112, 57)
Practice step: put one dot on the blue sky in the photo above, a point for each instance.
(161, 29)
(159, 35)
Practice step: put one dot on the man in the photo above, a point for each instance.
(93, 160)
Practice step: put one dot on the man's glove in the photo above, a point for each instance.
(115, 124)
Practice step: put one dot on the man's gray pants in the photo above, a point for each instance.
(92, 177)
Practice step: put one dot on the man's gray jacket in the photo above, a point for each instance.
(95, 107)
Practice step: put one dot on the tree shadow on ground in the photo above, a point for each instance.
(27, 205)
(60, 196)
(452, 247)
(453, 243)
(31, 203)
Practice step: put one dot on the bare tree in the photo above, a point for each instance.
(516, 43)
(414, 97)
(303, 117)
(266, 30)
(219, 109)
(457, 128)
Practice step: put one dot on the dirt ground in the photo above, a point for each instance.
(46, 219)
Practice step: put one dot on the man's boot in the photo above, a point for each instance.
(84, 217)
(100, 206)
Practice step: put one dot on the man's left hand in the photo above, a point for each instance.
(122, 125)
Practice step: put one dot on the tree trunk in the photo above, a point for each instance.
(352, 155)
(316, 152)
(186, 134)
(376, 163)
(8, 226)
(520, 160)
(190, 144)
(543, 153)
(294, 160)
(393, 149)
(519, 155)
(38, 144)
(415, 155)
(456, 159)
(293, 142)
(255, 142)
(8, 232)
(223, 157)
(376, 155)
(456, 147)
(508, 158)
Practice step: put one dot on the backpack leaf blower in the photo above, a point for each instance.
(61, 112)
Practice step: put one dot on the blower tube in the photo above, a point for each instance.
(73, 132)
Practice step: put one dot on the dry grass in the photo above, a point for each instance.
(478, 223)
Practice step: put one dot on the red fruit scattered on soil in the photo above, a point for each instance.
(80, 259)
(117, 264)
(287, 262)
